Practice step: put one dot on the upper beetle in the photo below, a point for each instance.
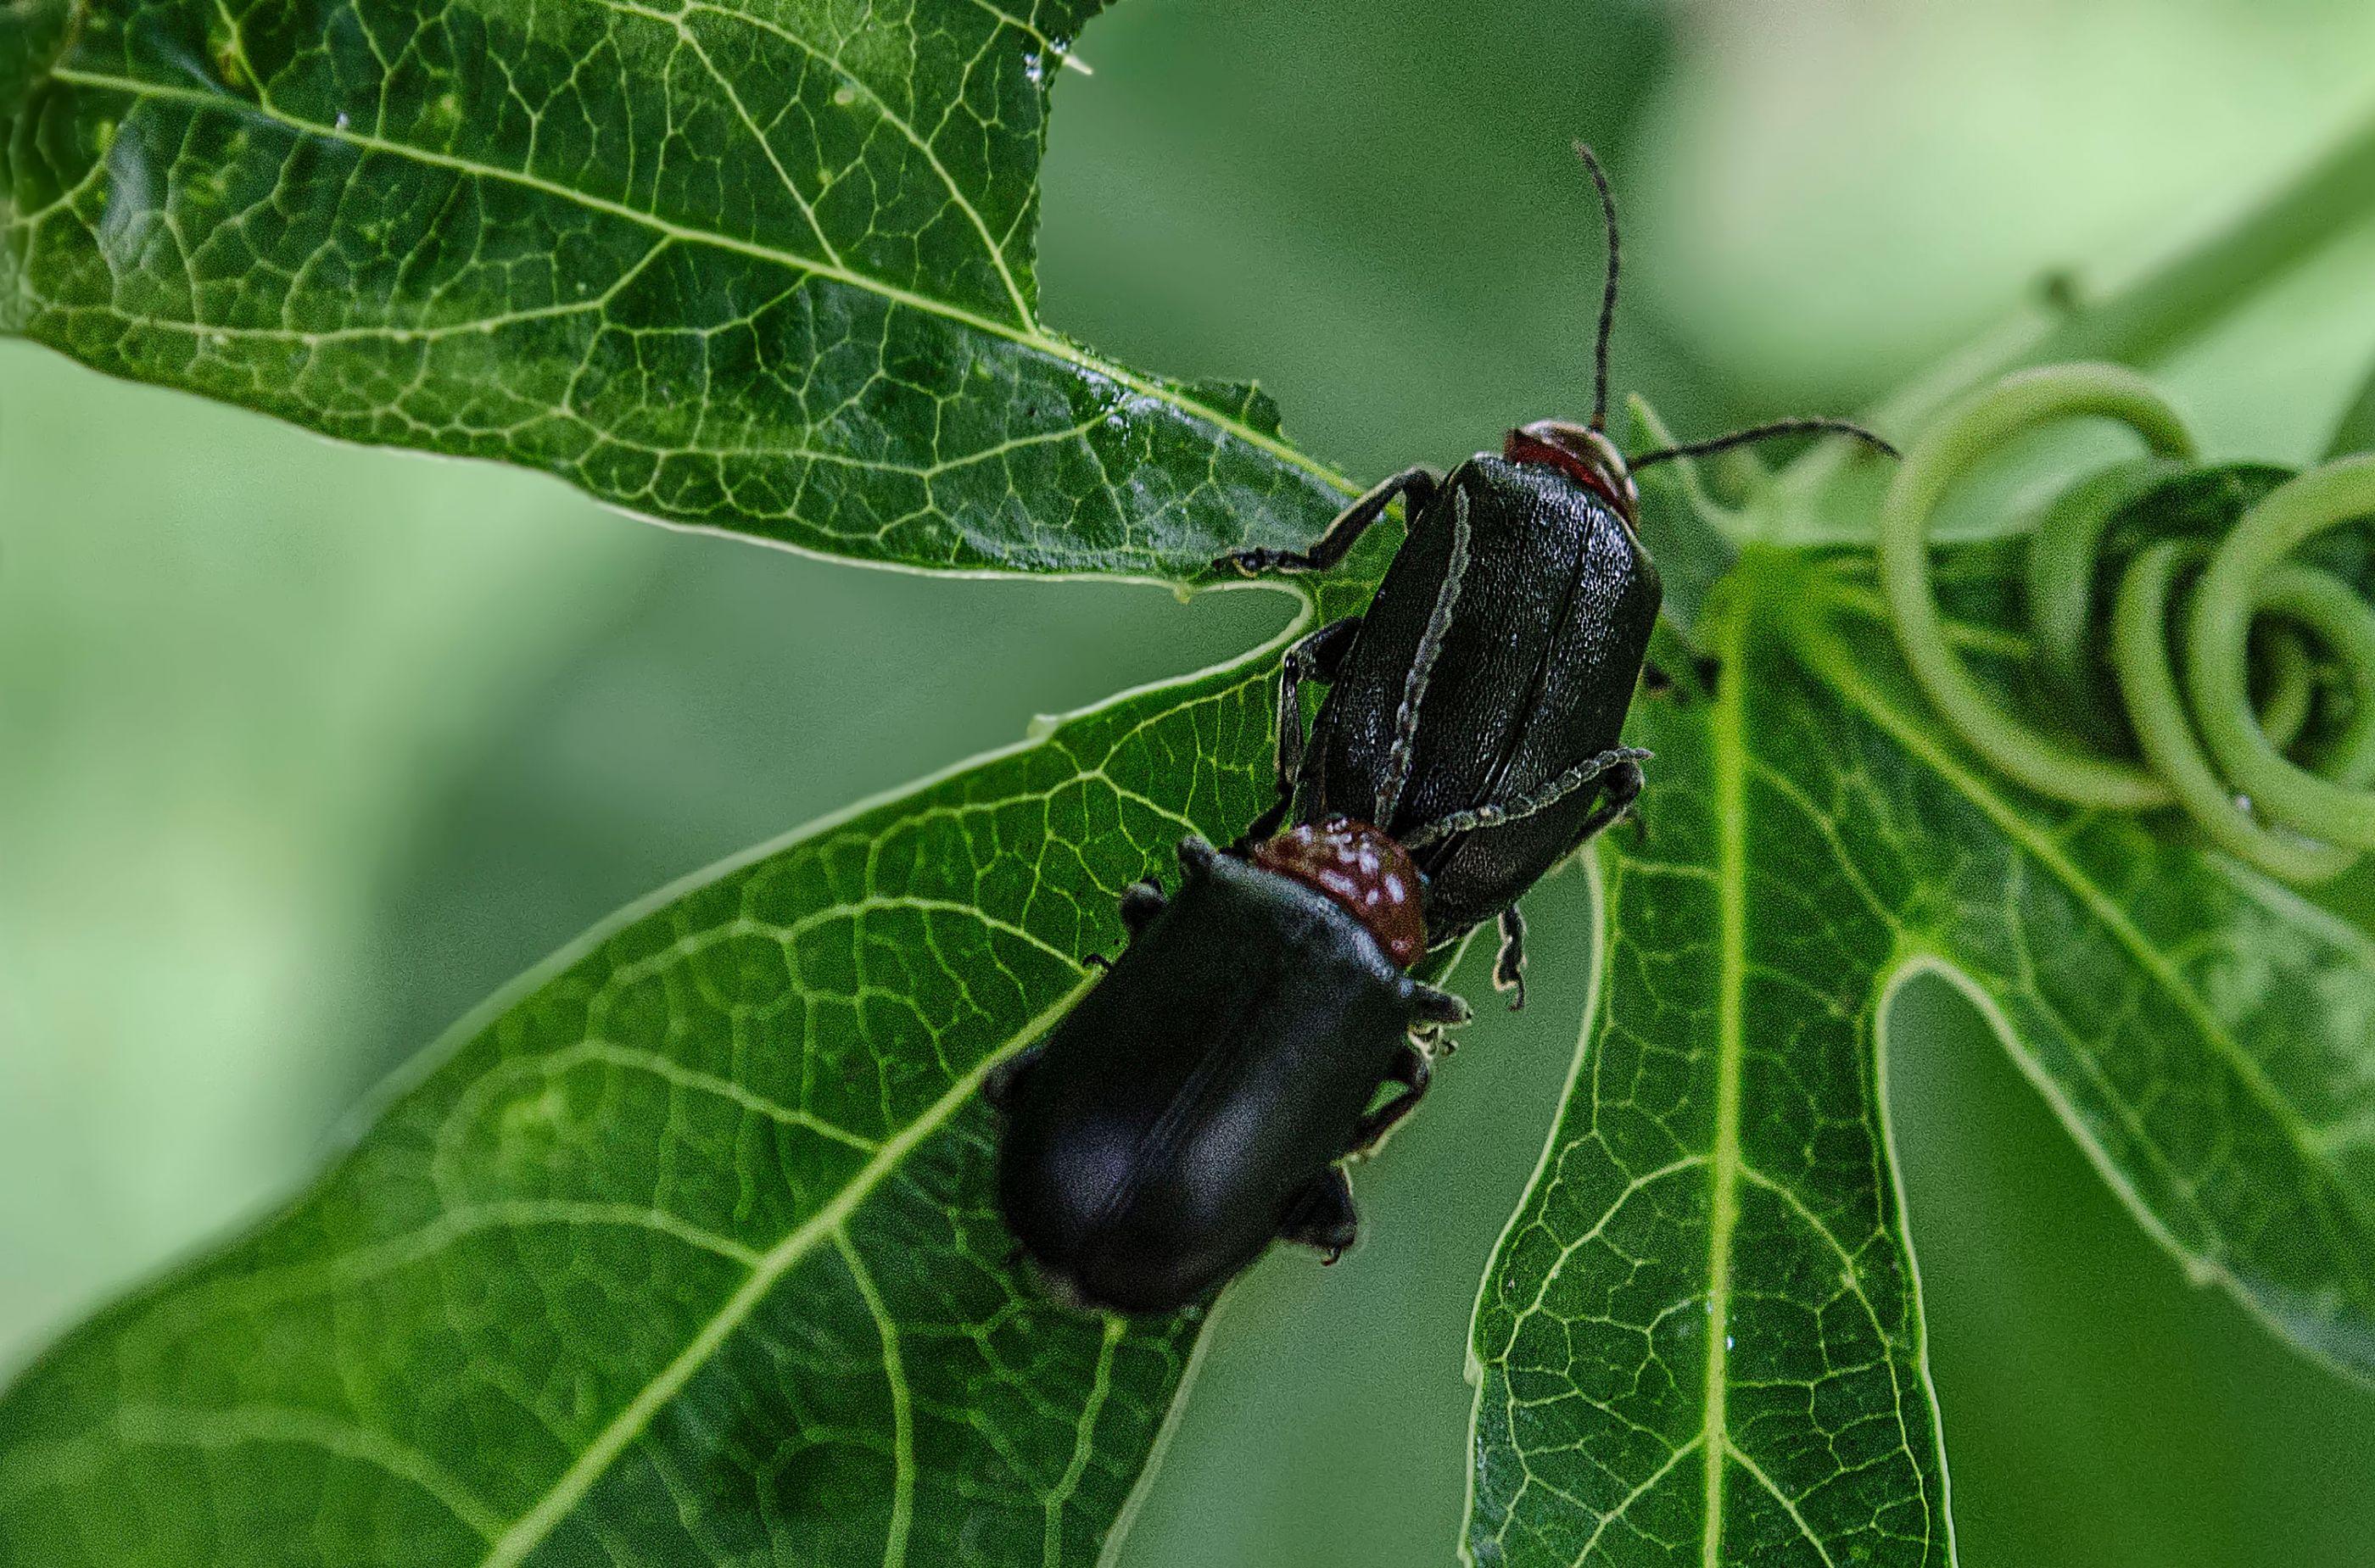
(1473, 711)
(1195, 1103)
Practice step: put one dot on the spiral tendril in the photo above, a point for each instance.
(2232, 681)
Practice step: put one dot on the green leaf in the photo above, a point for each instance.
(760, 266)
(1699, 1341)
(1681, 525)
(685, 1252)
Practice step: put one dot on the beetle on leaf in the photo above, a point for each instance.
(1195, 1105)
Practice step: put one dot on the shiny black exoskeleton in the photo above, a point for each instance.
(1193, 1107)
(1473, 712)
(1473, 709)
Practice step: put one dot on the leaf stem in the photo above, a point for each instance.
(2168, 307)
(2152, 317)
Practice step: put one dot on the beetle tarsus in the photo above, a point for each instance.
(1431, 1042)
(1101, 961)
(1619, 794)
(1316, 657)
(1440, 1007)
(1416, 484)
(1322, 1215)
(1510, 963)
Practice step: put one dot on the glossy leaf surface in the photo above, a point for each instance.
(685, 1253)
(762, 265)
(1700, 1339)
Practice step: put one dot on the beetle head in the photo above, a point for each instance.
(1584, 454)
(1363, 870)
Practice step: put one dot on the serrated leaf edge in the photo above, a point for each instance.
(1025, 332)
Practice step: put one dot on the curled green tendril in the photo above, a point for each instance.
(2148, 681)
(2181, 706)
(2061, 609)
(1968, 432)
(2329, 801)
(2291, 675)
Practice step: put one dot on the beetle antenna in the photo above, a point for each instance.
(1607, 292)
(1763, 432)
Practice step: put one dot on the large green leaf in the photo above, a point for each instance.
(762, 266)
(1699, 1341)
(685, 1253)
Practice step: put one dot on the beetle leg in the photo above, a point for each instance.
(1510, 963)
(1616, 773)
(1417, 483)
(1141, 902)
(1322, 1215)
(1412, 1071)
(1263, 826)
(1623, 788)
(1316, 657)
(1439, 1006)
(998, 1087)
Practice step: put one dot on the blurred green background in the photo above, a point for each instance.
(304, 749)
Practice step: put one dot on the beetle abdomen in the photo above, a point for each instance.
(1157, 1143)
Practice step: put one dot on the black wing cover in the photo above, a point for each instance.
(1548, 631)
(1156, 1144)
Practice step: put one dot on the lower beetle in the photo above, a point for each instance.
(1473, 709)
(1194, 1106)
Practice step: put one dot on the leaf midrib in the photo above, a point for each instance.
(1730, 763)
(529, 1529)
(1028, 334)
(898, 121)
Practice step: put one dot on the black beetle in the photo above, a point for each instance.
(1473, 709)
(1195, 1105)
(1192, 1108)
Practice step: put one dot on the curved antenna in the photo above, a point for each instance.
(1607, 292)
(1763, 432)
